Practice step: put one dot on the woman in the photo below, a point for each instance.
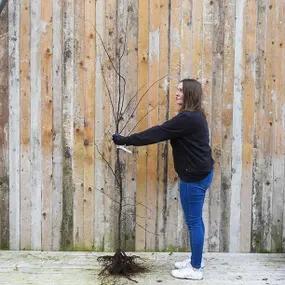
(189, 137)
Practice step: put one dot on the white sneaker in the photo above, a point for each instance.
(186, 263)
(188, 273)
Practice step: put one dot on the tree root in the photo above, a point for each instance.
(121, 265)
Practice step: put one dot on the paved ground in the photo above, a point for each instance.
(74, 268)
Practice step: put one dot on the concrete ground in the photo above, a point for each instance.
(74, 268)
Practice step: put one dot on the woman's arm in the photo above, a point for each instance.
(173, 128)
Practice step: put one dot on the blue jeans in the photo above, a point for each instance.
(192, 196)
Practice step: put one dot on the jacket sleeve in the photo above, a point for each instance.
(176, 127)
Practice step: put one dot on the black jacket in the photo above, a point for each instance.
(189, 137)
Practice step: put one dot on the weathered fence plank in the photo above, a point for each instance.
(238, 96)
(78, 110)
(216, 126)
(173, 228)
(14, 125)
(281, 118)
(247, 123)
(162, 152)
(25, 114)
(258, 170)
(57, 152)
(208, 13)
(227, 122)
(278, 149)
(46, 127)
(67, 239)
(100, 119)
(267, 135)
(89, 113)
(141, 210)
(4, 128)
(110, 79)
(36, 162)
(128, 32)
(152, 158)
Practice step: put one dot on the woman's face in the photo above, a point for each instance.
(179, 95)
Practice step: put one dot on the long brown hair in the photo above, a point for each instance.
(192, 95)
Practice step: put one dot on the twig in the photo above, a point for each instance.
(108, 164)
(146, 229)
(132, 98)
(125, 216)
(109, 93)
(103, 192)
(153, 108)
(124, 48)
(135, 108)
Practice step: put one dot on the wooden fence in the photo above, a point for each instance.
(56, 154)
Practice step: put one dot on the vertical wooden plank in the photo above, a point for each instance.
(132, 72)
(100, 111)
(227, 121)
(143, 15)
(14, 125)
(110, 194)
(89, 113)
(162, 116)
(36, 166)
(57, 152)
(25, 185)
(187, 14)
(282, 110)
(187, 53)
(67, 238)
(216, 125)
(78, 110)
(234, 245)
(128, 15)
(258, 167)
(207, 60)
(267, 132)
(250, 15)
(46, 123)
(153, 74)
(4, 117)
(191, 66)
(197, 39)
(278, 150)
(172, 195)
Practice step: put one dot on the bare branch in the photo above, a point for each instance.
(134, 205)
(120, 58)
(107, 162)
(121, 96)
(103, 192)
(136, 107)
(109, 94)
(140, 226)
(153, 108)
(133, 97)
(125, 215)
(126, 32)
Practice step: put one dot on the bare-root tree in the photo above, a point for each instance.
(123, 112)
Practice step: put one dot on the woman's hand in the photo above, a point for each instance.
(119, 140)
